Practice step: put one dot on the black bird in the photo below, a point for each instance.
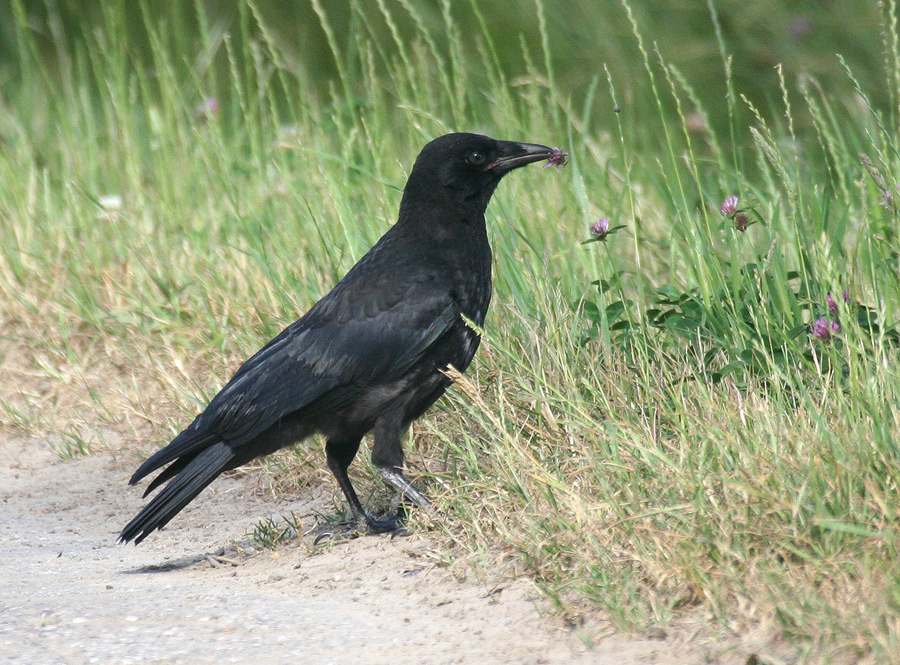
(368, 356)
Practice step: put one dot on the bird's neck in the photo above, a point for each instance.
(443, 223)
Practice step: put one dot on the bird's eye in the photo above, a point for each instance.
(475, 158)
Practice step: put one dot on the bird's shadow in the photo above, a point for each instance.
(168, 566)
(228, 556)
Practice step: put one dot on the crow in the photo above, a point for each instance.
(370, 354)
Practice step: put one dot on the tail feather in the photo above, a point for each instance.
(169, 472)
(188, 443)
(187, 484)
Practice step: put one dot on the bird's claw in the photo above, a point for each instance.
(335, 533)
(401, 532)
(343, 531)
(384, 526)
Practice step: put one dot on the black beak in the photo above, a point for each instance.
(513, 155)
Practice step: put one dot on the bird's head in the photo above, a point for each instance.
(464, 169)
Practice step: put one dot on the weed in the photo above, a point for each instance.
(269, 533)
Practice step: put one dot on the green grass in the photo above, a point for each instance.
(269, 533)
(649, 426)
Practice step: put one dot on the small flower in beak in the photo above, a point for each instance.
(558, 159)
(824, 329)
(729, 206)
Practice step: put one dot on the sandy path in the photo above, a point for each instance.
(69, 594)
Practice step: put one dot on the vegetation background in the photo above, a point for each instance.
(697, 411)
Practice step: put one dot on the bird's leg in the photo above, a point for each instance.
(339, 454)
(387, 456)
(396, 478)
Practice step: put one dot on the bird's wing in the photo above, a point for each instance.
(340, 346)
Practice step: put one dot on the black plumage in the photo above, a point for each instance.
(368, 355)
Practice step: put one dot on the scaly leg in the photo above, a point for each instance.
(387, 456)
(339, 455)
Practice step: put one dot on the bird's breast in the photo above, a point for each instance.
(473, 280)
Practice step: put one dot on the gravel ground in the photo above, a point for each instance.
(70, 594)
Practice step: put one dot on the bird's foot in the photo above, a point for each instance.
(383, 526)
(336, 532)
(340, 532)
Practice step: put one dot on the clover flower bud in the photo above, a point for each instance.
(824, 329)
(600, 228)
(729, 206)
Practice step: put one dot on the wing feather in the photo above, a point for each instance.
(313, 357)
